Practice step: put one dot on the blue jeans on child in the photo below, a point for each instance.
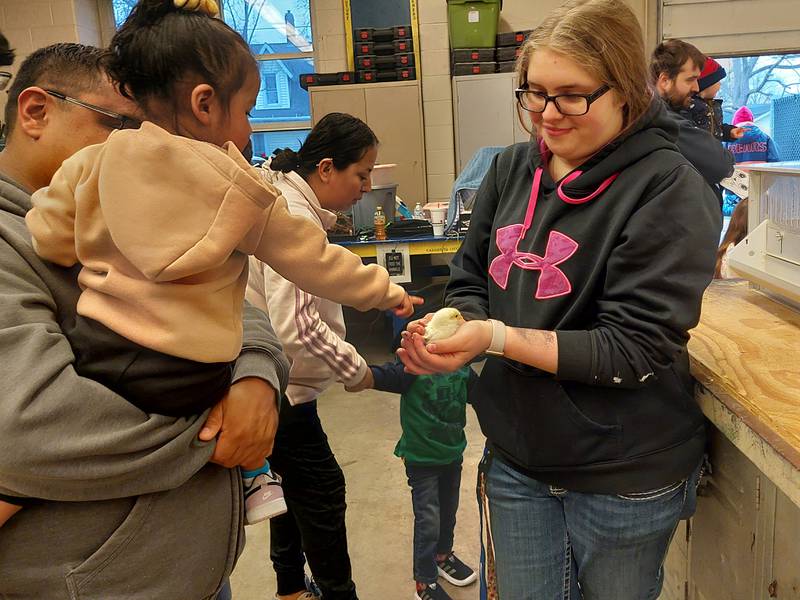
(554, 544)
(434, 496)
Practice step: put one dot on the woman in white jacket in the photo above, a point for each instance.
(330, 172)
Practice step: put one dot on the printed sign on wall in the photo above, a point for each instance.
(396, 258)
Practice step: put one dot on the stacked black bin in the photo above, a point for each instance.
(478, 61)
(384, 54)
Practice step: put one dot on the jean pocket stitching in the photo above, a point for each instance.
(119, 546)
(652, 494)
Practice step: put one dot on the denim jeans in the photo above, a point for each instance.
(554, 544)
(225, 592)
(434, 496)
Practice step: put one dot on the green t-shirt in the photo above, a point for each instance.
(433, 415)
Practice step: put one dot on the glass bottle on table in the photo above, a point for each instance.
(418, 213)
(380, 224)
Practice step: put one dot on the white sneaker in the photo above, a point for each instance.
(263, 498)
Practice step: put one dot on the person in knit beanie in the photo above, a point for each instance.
(754, 146)
(710, 80)
(705, 110)
(742, 116)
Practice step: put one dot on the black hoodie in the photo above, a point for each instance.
(619, 416)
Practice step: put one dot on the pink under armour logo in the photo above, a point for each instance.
(552, 280)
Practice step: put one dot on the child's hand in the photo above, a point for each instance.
(367, 383)
(406, 309)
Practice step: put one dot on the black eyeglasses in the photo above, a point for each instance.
(120, 121)
(571, 105)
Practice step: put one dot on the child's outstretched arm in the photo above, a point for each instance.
(390, 377)
(300, 252)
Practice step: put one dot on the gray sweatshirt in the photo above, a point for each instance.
(132, 508)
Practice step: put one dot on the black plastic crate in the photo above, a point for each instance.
(366, 76)
(373, 75)
(506, 66)
(472, 55)
(392, 61)
(474, 68)
(340, 78)
(384, 48)
(406, 73)
(507, 53)
(365, 63)
(382, 34)
(395, 61)
(513, 38)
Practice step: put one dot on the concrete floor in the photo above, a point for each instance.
(363, 429)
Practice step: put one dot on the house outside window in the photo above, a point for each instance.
(279, 34)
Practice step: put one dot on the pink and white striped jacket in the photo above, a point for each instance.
(311, 329)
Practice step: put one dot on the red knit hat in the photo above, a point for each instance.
(743, 115)
(712, 73)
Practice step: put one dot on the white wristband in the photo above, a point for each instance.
(498, 344)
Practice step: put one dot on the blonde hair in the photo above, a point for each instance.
(605, 38)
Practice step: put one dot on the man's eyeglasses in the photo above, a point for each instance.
(571, 105)
(119, 121)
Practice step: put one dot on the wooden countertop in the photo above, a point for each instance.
(745, 353)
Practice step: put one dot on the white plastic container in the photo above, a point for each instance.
(384, 175)
(437, 215)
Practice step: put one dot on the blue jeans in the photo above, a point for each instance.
(554, 544)
(225, 591)
(434, 495)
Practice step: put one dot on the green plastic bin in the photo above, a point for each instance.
(473, 23)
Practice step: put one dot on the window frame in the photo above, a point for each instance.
(286, 125)
(109, 17)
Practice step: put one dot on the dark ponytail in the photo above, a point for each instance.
(284, 160)
(160, 46)
(343, 138)
(6, 52)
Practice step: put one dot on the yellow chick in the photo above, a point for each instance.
(443, 324)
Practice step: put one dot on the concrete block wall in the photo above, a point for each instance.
(327, 22)
(437, 98)
(32, 24)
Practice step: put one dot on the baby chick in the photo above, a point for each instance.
(443, 324)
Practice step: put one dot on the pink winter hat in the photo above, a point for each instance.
(743, 115)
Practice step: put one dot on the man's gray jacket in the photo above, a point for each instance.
(129, 507)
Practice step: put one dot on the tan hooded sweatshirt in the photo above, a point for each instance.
(163, 226)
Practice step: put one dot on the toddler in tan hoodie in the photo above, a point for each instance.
(163, 219)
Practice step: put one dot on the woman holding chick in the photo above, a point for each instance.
(582, 293)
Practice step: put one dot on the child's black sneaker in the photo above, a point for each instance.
(455, 571)
(432, 591)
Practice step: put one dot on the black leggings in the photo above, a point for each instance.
(314, 488)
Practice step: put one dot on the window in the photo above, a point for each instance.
(770, 87)
(122, 9)
(266, 142)
(269, 91)
(756, 82)
(279, 35)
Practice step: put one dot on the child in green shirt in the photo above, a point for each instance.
(433, 416)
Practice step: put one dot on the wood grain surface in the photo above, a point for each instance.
(746, 352)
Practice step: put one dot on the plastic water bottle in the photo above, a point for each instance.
(418, 214)
(380, 224)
